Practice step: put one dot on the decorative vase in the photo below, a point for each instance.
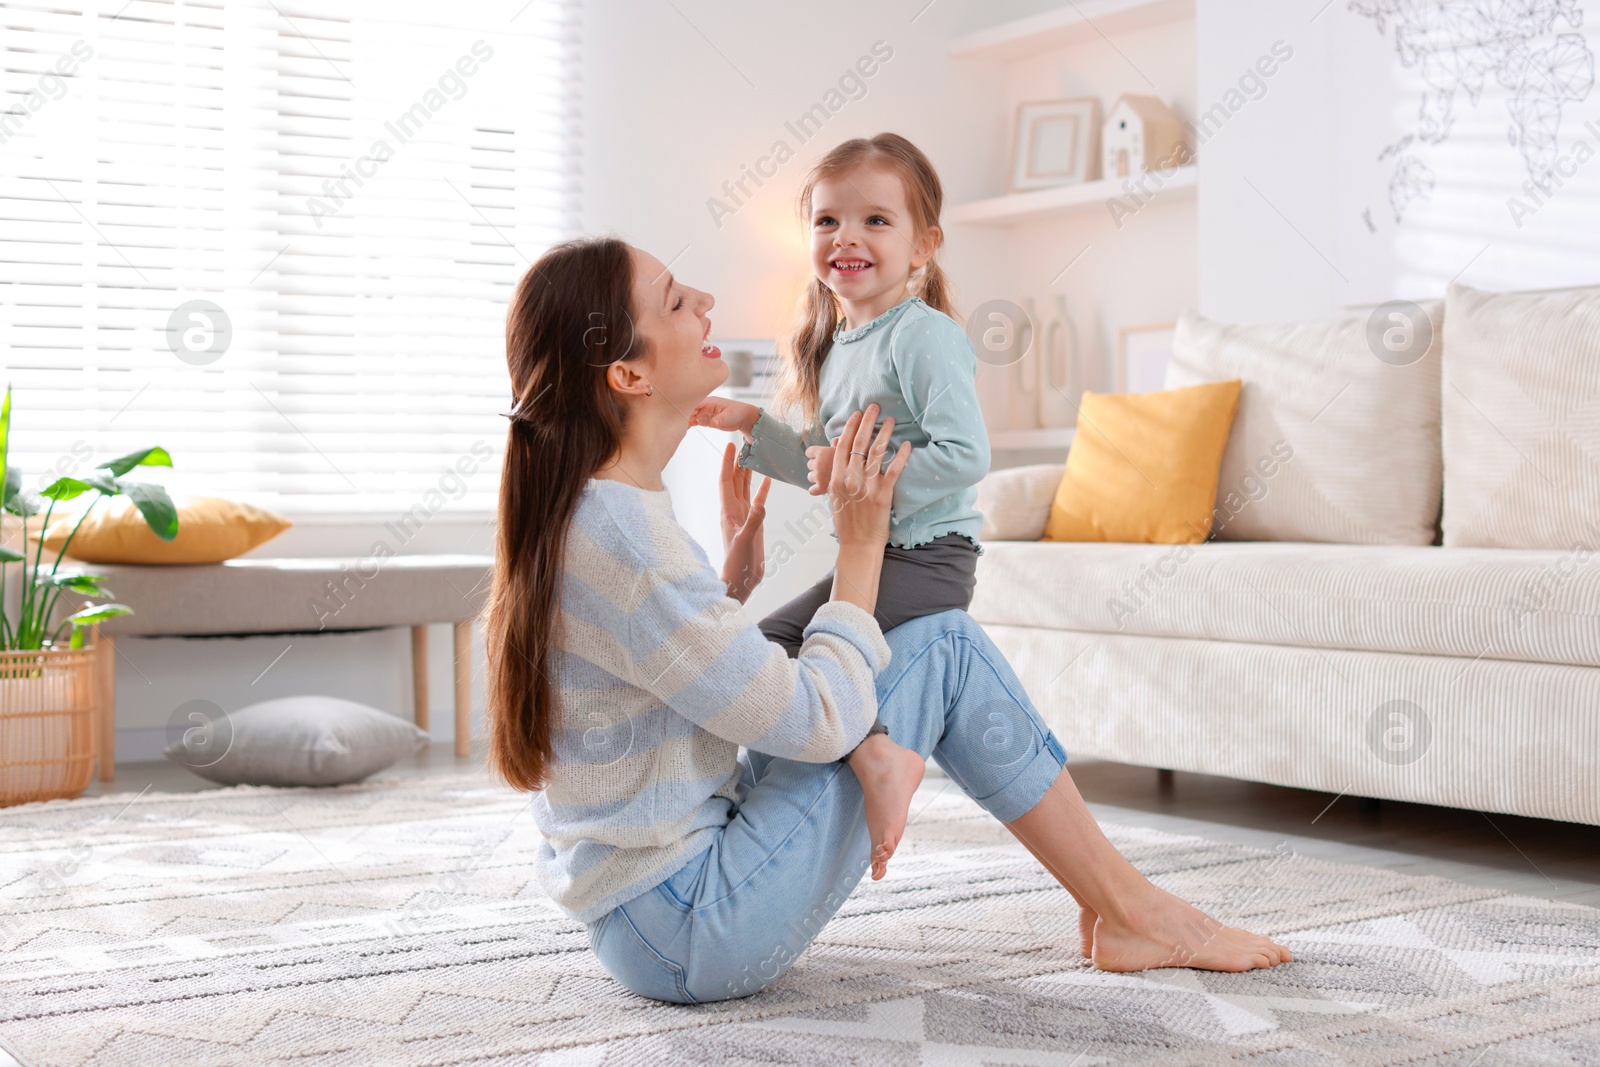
(1058, 374)
(1024, 383)
(47, 723)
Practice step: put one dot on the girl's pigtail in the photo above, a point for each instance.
(934, 289)
(800, 384)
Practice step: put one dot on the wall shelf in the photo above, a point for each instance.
(1086, 196)
(1018, 439)
(1078, 23)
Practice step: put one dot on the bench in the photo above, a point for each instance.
(265, 597)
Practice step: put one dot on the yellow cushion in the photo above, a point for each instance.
(210, 530)
(1143, 466)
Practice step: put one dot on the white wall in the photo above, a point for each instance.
(672, 113)
(678, 98)
(1253, 264)
(1144, 270)
(1288, 176)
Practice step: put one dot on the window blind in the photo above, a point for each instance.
(278, 238)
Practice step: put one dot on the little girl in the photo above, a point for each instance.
(877, 329)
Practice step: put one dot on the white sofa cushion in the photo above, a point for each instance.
(1521, 410)
(1015, 501)
(1539, 606)
(1330, 443)
(1478, 734)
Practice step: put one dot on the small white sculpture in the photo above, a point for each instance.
(1141, 133)
(1059, 391)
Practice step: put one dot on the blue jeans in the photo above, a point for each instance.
(737, 916)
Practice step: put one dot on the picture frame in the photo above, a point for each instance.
(1142, 356)
(762, 367)
(1055, 142)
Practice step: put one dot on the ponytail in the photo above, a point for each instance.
(934, 288)
(570, 318)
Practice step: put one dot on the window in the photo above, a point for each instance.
(278, 238)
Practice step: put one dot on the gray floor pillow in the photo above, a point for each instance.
(302, 740)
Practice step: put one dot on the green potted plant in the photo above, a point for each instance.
(47, 690)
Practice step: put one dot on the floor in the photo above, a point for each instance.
(1041, 1016)
(1536, 857)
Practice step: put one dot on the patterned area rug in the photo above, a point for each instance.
(397, 923)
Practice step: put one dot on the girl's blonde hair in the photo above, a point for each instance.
(808, 344)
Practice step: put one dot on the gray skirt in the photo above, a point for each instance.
(938, 576)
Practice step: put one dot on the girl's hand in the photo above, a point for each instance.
(720, 413)
(743, 564)
(860, 488)
(819, 467)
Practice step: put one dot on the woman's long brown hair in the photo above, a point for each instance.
(807, 346)
(570, 318)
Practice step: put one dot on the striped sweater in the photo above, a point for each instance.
(660, 678)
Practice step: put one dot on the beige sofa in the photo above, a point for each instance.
(1464, 673)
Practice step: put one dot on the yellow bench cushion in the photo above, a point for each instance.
(210, 530)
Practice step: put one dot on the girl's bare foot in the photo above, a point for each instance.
(889, 775)
(1164, 931)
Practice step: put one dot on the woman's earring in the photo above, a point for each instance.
(649, 390)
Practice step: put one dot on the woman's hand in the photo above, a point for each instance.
(743, 564)
(860, 491)
(860, 488)
(720, 413)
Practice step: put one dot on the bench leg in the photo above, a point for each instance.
(419, 676)
(106, 699)
(463, 675)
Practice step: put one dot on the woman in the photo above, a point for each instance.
(624, 679)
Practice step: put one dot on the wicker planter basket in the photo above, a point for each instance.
(47, 724)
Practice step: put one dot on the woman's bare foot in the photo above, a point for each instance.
(1165, 931)
(1086, 920)
(889, 775)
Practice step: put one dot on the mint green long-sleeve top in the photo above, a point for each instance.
(917, 365)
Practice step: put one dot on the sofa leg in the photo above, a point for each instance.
(1370, 804)
(1164, 780)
